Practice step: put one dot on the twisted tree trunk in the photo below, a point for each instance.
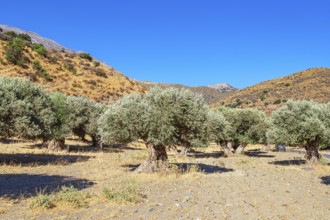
(96, 142)
(240, 148)
(312, 151)
(156, 161)
(227, 148)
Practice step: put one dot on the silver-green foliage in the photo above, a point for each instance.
(26, 111)
(248, 126)
(82, 115)
(299, 123)
(161, 117)
(60, 130)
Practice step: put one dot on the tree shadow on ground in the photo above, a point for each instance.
(131, 167)
(14, 186)
(325, 180)
(204, 168)
(11, 141)
(40, 159)
(76, 148)
(186, 167)
(257, 153)
(198, 154)
(288, 162)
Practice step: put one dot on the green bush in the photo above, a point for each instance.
(11, 34)
(14, 51)
(37, 66)
(86, 56)
(40, 49)
(70, 67)
(25, 37)
(1, 30)
(96, 63)
(277, 101)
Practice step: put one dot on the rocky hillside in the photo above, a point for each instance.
(211, 93)
(311, 84)
(28, 55)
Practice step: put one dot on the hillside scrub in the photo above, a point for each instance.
(302, 123)
(161, 118)
(246, 126)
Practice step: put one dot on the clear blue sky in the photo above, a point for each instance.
(193, 42)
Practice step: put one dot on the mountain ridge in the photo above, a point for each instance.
(311, 84)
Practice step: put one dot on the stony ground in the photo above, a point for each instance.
(205, 185)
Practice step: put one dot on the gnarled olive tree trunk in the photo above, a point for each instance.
(156, 161)
(240, 148)
(227, 148)
(54, 144)
(312, 151)
(96, 142)
(231, 148)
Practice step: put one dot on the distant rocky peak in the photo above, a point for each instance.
(222, 87)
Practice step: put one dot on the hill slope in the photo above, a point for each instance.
(64, 70)
(310, 84)
(210, 93)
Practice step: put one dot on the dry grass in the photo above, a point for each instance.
(102, 83)
(204, 185)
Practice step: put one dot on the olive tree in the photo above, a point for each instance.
(303, 123)
(247, 126)
(83, 115)
(26, 111)
(161, 118)
(56, 139)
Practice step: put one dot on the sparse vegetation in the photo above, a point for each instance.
(67, 194)
(125, 193)
(70, 67)
(40, 49)
(86, 56)
(14, 52)
(37, 66)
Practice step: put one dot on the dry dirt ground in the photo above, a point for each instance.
(205, 185)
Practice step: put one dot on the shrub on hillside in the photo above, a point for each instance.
(14, 51)
(37, 66)
(11, 34)
(70, 67)
(86, 56)
(40, 49)
(25, 37)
